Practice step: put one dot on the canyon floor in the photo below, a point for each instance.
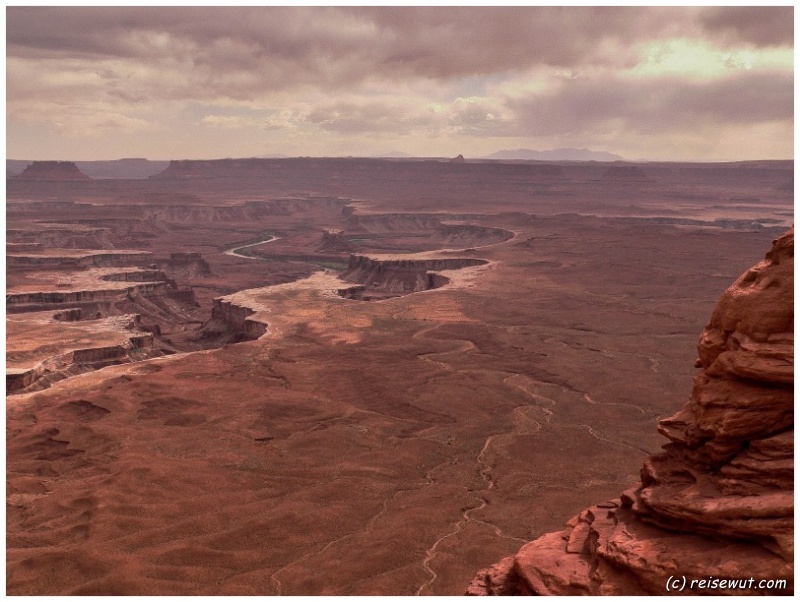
(333, 377)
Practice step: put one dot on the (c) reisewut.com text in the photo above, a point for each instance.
(679, 584)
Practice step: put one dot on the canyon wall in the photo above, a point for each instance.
(97, 260)
(69, 315)
(56, 299)
(139, 276)
(140, 346)
(717, 504)
(185, 265)
(334, 241)
(459, 235)
(237, 318)
(403, 275)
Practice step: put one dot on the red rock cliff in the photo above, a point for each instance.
(717, 504)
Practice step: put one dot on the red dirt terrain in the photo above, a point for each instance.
(723, 487)
(330, 376)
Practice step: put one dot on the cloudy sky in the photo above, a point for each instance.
(688, 83)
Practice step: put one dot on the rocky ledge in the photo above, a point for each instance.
(237, 317)
(714, 512)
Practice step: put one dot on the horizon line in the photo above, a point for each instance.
(408, 158)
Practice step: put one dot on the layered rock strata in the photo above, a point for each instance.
(238, 318)
(137, 346)
(335, 241)
(401, 276)
(77, 260)
(33, 301)
(713, 513)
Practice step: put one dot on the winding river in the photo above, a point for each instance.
(237, 251)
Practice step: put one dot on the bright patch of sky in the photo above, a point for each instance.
(698, 58)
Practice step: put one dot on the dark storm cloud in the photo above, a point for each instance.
(232, 51)
(758, 25)
(315, 76)
(334, 46)
(441, 42)
(655, 105)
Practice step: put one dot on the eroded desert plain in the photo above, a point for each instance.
(346, 376)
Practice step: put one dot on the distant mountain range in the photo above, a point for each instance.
(556, 154)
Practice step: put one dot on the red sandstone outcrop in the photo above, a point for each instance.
(194, 211)
(335, 241)
(717, 504)
(39, 300)
(470, 235)
(141, 275)
(184, 265)
(139, 346)
(237, 318)
(401, 276)
(69, 315)
(58, 171)
(87, 259)
(414, 225)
